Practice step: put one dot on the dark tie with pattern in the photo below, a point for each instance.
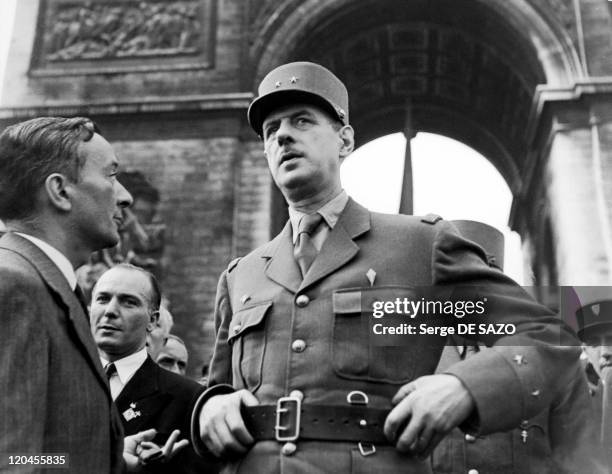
(305, 252)
(110, 370)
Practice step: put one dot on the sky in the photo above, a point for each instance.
(450, 179)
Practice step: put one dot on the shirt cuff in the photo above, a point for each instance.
(196, 441)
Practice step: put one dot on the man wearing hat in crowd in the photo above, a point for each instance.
(595, 332)
(295, 384)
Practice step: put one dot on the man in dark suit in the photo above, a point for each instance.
(296, 384)
(124, 307)
(60, 201)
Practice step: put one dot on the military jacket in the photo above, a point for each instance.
(562, 439)
(277, 332)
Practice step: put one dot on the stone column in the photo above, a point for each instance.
(571, 177)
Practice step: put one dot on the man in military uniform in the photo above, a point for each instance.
(595, 332)
(295, 384)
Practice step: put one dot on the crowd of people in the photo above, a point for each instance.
(295, 383)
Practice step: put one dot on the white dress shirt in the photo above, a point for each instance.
(126, 368)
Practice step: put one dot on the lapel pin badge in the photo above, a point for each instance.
(371, 276)
(245, 298)
(130, 413)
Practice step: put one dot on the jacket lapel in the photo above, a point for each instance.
(282, 267)
(141, 398)
(78, 321)
(339, 247)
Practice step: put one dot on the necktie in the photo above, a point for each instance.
(305, 252)
(110, 370)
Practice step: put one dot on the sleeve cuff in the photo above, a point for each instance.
(196, 441)
(489, 379)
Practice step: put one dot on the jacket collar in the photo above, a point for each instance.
(337, 250)
(143, 383)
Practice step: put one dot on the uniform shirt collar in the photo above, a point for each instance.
(128, 365)
(56, 257)
(330, 211)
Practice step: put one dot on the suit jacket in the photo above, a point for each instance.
(54, 396)
(263, 306)
(157, 398)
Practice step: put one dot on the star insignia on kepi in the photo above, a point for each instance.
(278, 84)
(294, 80)
(519, 359)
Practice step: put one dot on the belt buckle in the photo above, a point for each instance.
(292, 406)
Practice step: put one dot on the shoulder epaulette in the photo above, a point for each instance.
(431, 218)
(233, 264)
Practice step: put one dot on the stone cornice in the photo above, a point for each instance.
(545, 95)
(541, 128)
(203, 103)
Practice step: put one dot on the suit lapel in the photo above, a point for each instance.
(282, 267)
(141, 398)
(78, 321)
(339, 247)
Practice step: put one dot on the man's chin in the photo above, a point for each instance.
(111, 240)
(294, 182)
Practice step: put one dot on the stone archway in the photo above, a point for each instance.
(480, 72)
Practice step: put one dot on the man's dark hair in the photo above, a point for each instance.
(30, 151)
(155, 296)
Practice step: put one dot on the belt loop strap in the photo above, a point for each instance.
(366, 449)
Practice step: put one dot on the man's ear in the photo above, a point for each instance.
(56, 186)
(153, 321)
(347, 137)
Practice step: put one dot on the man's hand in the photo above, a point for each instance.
(139, 449)
(426, 409)
(222, 428)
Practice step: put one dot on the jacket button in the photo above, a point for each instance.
(473, 471)
(236, 328)
(470, 438)
(302, 300)
(297, 394)
(288, 449)
(298, 345)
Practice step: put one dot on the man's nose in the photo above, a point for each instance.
(284, 134)
(112, 308)
(124, 198)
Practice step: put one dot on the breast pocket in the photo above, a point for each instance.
(248, 341)
(355, 354)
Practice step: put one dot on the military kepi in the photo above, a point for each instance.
(594, 319)
(295, 83)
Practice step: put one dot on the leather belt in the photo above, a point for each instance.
(289, 420)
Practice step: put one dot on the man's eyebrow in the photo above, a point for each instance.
(291, 115)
